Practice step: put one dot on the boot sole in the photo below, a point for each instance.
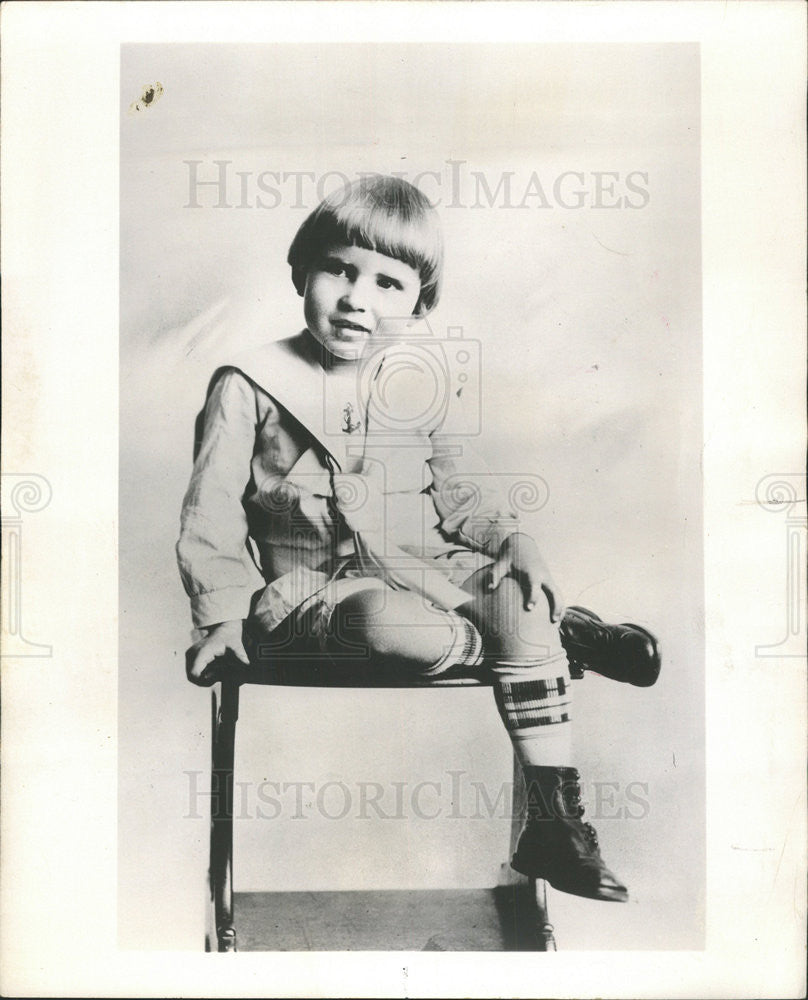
(614, 894)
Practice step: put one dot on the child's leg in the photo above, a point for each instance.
(399, 631)
(531, 677)
(533, 694)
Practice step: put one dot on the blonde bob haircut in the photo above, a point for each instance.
(384, 214)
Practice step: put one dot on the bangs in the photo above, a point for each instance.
(383, 214)
(393, 226)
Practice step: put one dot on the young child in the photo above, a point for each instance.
(329, 514)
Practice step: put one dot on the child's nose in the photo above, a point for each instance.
(355, 296)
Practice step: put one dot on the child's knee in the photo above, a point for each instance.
(368, 619)
(507, 629)
(391, 625)
(351, 621)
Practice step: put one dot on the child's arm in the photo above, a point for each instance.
(472, 509)
(215, 564)
(222, 643)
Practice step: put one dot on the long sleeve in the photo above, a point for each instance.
(217, 569)
(469, 499)
(475, 506)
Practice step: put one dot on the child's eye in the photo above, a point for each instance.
(335, 267)
(384, 282)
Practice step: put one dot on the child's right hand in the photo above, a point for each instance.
(223, 642)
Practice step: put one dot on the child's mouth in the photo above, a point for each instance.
(349, 331)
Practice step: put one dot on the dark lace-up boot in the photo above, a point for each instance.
(627, 653)
(556, 845)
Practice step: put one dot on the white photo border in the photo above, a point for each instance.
(60, 67)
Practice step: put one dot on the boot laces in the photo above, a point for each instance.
(575, 809)
(571, 794)
(591, 835)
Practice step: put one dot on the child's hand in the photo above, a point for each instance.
(223, 642)
(519, 557)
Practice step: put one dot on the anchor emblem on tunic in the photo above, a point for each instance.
(348, 425)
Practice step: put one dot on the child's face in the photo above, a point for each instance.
(350, 290)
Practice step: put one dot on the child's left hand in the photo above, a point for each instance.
(519, 557)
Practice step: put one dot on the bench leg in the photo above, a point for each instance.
(224, 704)
(544, 929)
(528, 903)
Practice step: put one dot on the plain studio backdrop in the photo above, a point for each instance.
(567, 180)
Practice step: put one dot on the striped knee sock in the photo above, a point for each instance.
(534, 700)
(465, 648)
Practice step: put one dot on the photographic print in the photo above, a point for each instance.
(497, 248)
(403, 499)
